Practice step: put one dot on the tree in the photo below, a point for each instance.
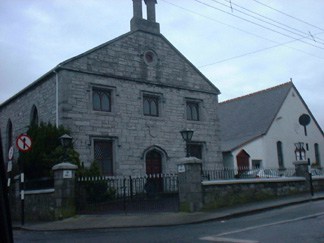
(46, 151)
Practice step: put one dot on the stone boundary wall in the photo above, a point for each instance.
(47, 204)
(39, 205)
(223, 193)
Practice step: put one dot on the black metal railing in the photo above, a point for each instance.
(107, 193)
(131, 186)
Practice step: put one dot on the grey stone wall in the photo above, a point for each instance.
(64, 185)
(119, 66)
(227, 193)
(123, 57)
(19, 109)
(131, 130)
(190, 188)
(38, 205)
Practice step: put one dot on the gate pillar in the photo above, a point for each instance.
(64, 185)
(190, 188)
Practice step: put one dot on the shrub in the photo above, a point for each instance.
(46, 151)
(95, 191)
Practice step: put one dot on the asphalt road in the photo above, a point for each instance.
(298, 223)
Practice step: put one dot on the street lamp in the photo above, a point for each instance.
(187, 136)
(65, 141)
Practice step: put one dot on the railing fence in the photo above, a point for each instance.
(125, 192)
(246, 173)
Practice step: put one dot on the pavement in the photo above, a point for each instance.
(106, 221)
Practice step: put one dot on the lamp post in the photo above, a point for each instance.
(187, 136)
(300, 151)
(65, 141)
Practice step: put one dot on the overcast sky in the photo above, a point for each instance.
(239, 53)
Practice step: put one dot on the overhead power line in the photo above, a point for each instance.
(260, 25)
(217, 21)
(293, 17)
(244, 31)
(254, 52)
(301, 33)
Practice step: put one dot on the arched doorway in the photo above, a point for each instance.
(242, 159)
(153, 162)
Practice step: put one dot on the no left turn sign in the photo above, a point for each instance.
(24, 143)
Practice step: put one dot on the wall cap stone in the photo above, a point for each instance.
(303, 162)
(190, 160)
(253, 181)
(41, 191)
(65, 166)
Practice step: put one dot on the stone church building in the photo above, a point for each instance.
(125, 103)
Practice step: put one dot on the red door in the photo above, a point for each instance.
(154, 171)
(242, 159)
(153, 163)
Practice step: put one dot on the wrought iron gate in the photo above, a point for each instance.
(152, 193)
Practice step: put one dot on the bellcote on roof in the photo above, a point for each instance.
(139, 23)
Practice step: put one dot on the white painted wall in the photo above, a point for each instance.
(255, 149)
(285, 128)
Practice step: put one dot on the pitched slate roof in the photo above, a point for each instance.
(245, 118)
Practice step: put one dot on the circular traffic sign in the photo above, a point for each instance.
(24, 143)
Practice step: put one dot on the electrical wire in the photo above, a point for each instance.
(302, 33)
(220, 22)
(254, 52)
(262, 26)
(244, 31)
(293, 17)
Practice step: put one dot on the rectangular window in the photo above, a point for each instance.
(317, 154)
(101, 99)
(151, 105)
(280, 155)
(195, 150)
(256, 164)
(103, 155)
(192, 110)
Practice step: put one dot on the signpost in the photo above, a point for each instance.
(24, 144)
(5, 215)
(9, 165)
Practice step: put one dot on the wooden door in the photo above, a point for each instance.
(154, 171)
(153, 163)
(103, 155)
(242, 159)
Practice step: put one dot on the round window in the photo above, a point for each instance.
(150, 58)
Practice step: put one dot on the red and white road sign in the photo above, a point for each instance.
(24, 143)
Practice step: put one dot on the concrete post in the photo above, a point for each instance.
(64, 185)
(190, 188)
(301, 168)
